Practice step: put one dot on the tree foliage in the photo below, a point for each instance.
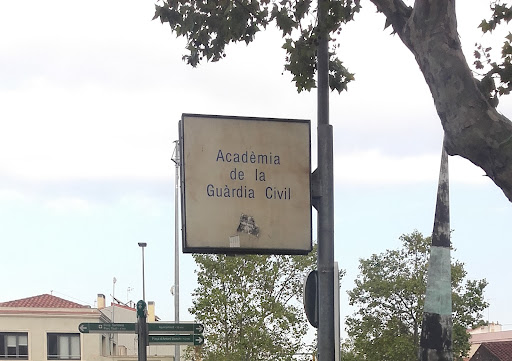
(210, 25)
(466, 106)
(500, 71)
(251, 306)
(389, 295)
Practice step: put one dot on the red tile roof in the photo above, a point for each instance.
(502, 350)
(42, 301)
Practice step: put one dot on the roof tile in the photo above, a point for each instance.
(42, 301)
(502, 350)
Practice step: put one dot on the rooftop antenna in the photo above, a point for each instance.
(128, 290)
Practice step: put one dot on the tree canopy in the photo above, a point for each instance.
(251, 306)
(464, 99)
(389, 295)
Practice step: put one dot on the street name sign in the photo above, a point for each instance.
(195, 340)
(245, 185)
(177, 328)
(107, 327)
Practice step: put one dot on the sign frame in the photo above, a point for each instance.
(216, 248)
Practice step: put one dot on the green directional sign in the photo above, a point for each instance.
(195, 340)
(107, 327)
(183, 328)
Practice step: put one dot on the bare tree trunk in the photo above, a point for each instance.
(474, 129)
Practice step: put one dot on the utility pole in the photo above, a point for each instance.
(143, 245)
(325, 202)
(176, 160)
(112, 335)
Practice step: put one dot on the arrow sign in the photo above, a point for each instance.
(175, 328)
(195, 340)
(106, 327)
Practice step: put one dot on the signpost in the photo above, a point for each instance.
(195, 340)
(187, 333)
(182, 333)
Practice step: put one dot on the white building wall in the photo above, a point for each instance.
(38, 323)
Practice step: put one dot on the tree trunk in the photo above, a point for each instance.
(474, 129)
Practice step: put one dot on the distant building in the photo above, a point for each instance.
(490, 333)
(493, 351)
(45, 327)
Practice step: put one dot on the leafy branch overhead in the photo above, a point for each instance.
(210, 25)
(500, 71)
(474, 129)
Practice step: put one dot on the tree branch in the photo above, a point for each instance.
(396, 12)
(474, 129)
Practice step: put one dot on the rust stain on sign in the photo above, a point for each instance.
(248, 225)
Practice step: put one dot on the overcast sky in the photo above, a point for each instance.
(90, 97)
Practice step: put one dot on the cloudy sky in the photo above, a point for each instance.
(90, 97)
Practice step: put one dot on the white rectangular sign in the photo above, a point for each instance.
(245, 185)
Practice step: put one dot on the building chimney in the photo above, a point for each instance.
(101, 301)
(151, 311)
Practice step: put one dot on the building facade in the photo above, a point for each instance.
(492, 332)
(45, 327)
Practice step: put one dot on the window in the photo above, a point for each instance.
(103, 346)
(14, 345)
(63, 346)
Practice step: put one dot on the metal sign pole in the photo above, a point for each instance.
(176, 160)
(325, 208)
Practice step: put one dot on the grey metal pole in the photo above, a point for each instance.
(143, 278)
(325, 207)
(112, 335)
(143, 245)
(176, 160)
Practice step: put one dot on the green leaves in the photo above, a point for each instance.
(251, 305)
(284, 19)
(496, 72)
(301, 60)
(210, 25)
(339, 76)
(500, 12)
(389, 295)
